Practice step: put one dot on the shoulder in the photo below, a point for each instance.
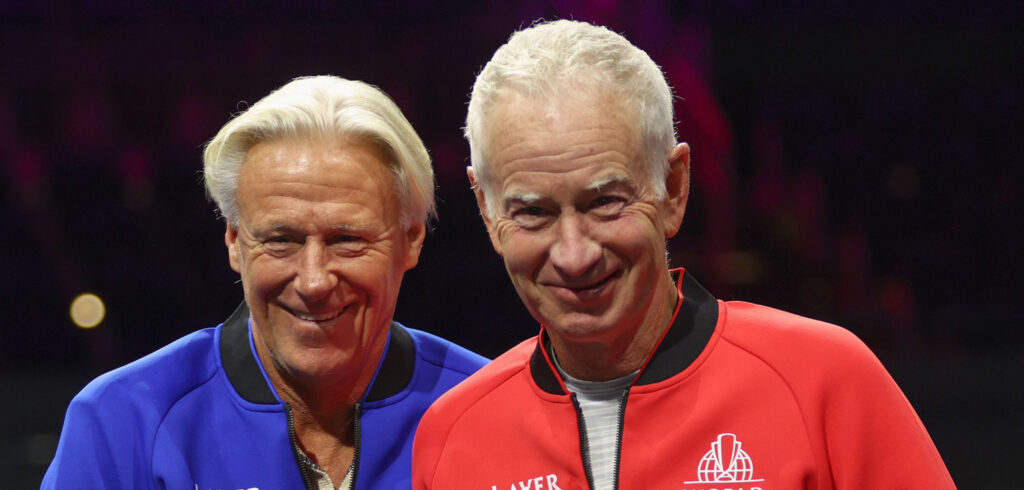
(111, 425)
(480, 385)
(797, 347)
(444, 353)
(850, 404)
(469, 409)
(155, 381)
(762, 328)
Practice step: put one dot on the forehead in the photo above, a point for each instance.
(299, 174)
(587, 133)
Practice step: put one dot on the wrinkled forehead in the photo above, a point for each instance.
(284, 171)
(562, 134)
(585, 98)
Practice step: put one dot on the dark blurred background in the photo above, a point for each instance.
(857, 162)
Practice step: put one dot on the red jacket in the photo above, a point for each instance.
(736, 396)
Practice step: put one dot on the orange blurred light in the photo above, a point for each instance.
(87, 310)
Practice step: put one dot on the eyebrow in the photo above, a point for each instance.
(610, 180)
(289, 229)
(528, 198)
(522, 197)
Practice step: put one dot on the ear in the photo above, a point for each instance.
(231, 240)
(481, 203)
(677, 188)
(416, 233)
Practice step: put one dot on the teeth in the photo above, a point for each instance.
(316, 318)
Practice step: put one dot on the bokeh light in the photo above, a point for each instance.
(87, 310)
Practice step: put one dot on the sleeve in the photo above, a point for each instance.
(873, 436)
(102, 445)
(426, 451)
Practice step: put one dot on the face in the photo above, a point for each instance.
(321, 253)
(578, 225)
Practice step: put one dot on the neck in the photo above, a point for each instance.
(322, 404)
(605, 359)
(325, 425)
(329, 441)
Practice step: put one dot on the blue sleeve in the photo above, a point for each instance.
(103, 444)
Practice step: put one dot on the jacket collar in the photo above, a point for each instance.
(243, 369)
(687, 335)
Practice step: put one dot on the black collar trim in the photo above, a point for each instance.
(689, 334)
(397, 368)
(240, 364)
(244, 372)
(543, 374)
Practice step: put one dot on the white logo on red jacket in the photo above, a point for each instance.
(726, 463)
(545, 482)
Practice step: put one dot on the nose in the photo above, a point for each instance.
(574, 251)
(314, 280)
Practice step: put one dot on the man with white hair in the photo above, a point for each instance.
(639, 378)
(325, 189)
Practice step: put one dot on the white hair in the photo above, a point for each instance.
(323, 106)
(547, 57)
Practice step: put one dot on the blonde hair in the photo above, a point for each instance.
(323, 106)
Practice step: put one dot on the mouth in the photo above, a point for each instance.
(317, 318)
(585, 291)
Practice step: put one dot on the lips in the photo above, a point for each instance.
(317, 317)
(595, 285)
(580, 292)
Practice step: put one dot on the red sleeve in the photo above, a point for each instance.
(861, 424)
(426, 449)
(433, 433)
(873, 436)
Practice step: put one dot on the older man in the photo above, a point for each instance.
(639, 378)
(325, 189)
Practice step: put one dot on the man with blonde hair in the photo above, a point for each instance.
(639, 378)
(325, 189)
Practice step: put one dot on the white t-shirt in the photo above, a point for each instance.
(323, 480)
(600, 402)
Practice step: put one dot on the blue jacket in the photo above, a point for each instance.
(201, 414)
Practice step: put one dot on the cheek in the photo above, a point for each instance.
(265, 274)
(505, 230)
(634, 235)
(522, 252)
(376, 273)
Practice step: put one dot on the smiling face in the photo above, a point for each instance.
(321, 254)
(578, 225)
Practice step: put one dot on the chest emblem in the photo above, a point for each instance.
(726, 463)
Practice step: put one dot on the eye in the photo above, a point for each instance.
(607, 205)
(530, 217)
(281, 244)
(277, 239)
(349, 244)
(345, 239)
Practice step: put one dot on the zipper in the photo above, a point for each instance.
(584, 449)
(355, 442)
(307, 480)
(618, 437)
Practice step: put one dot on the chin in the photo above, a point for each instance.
(314, 363)
(581, 328)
